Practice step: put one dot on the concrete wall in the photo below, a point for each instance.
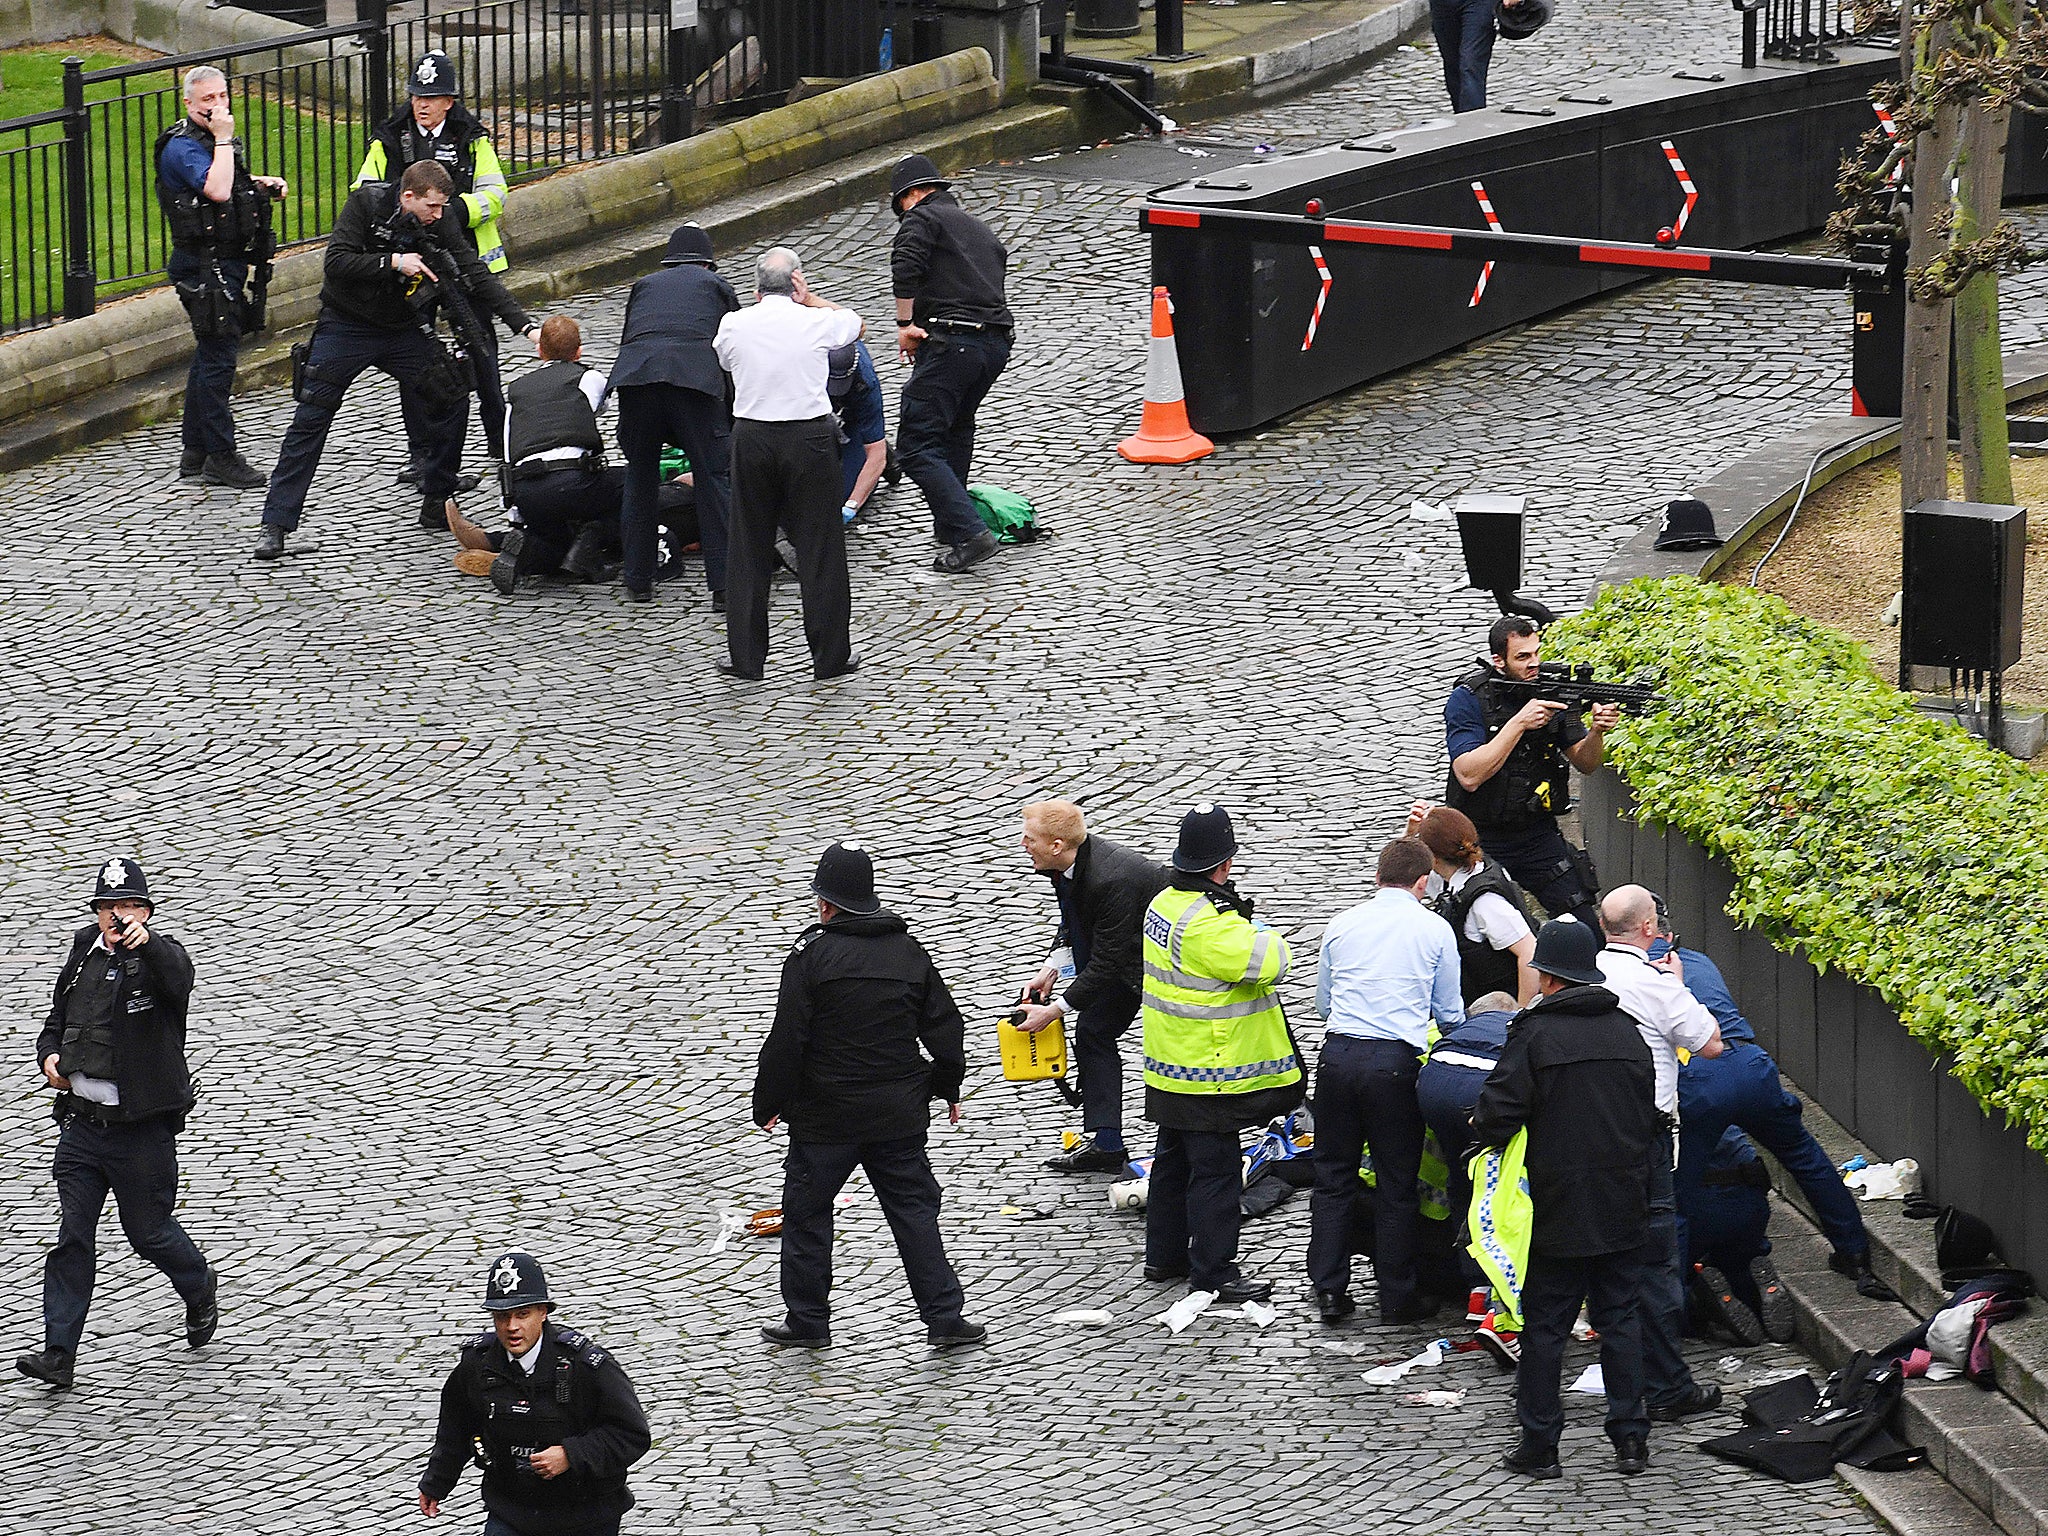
(168, 26)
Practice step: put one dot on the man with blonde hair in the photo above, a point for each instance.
(1102, 891)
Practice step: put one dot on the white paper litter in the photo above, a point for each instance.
(1387, 1375)
(1728, 1365)
(1428, 512)
(1886, 1181)
(1085, 1317)
(1186, 1310)
(1260, 1313)
(732, 1221)
(1590, 1382)
(1582, 1330)
(1437, 1399)
(1355, 1348)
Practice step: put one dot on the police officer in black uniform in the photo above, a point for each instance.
(954, 328)
(219, 216)
(113, 1046)
(547, 1413)
(378, 301)
(1510, 771)
(842, 1065)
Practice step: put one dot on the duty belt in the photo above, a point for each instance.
(532, 469)
(968, 327)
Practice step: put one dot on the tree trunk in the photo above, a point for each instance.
(1923, 429)
(1980, 363)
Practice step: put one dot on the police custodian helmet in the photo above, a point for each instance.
(434, 75)
(1523, 20)
(1206, 840)
(514, 1281)
(120, 880)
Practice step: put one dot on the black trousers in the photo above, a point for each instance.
(787, 473)
(138, 1164)
(1365, 1095)
(1191, 1210)
(1099, 1062)
(935, 424)
(650, 417)
(490, 401)
(1548, 868)
(1666, 1377)
(813, 1173)
(558, 505)
(209, 424)
(342, 351)
(1551, 1293)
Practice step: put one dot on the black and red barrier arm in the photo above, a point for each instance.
(1538, 250)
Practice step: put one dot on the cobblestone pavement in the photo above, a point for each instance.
(487, 900)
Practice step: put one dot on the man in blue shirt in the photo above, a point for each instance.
(856, 391)
(1387, 966)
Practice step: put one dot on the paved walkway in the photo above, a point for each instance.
(488, 898)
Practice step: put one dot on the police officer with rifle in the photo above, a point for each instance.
(1513, 742)
(220, 218)
(394, 259)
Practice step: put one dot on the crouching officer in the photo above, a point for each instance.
(378, 299)
(219, 216)
(547, 1413)
(113, 1046)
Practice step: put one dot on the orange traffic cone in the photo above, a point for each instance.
(1164, 435)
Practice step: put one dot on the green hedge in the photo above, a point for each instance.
(1888, 845)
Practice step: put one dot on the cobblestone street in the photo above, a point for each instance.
(487, 900)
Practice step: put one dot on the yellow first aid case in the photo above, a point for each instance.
(1032, 1056)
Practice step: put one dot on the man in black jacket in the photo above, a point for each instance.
(672, 390)
(1102, 891)
(548, 1412)
(113, 1046)
(1576, 1073)
(842, 1066)
(954, 328)
(378, 300)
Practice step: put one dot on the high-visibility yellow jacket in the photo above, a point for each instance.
(1213, 1023)
(466, 150)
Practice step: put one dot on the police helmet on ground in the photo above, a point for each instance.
(516, 1280)
(121, 880)
(1515, 22)
(1567, 949)
(689, 244)
(434, 75)
(913, 171)
(1206, 840)
(1688, 524)
(846, 879)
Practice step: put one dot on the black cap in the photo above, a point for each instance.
(1206, 840)
(1570, 951)
(688, 244)
(914, 171)
(121, 880)
(1688, 524)
(846, 878)
(434, 75)
(514, 1281)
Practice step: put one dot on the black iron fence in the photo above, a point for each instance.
(554, 81)
(1808, 30)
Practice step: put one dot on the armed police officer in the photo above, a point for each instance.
(1511, 765)
(954, 329)
(545, 1410)
(435, 125)
(220, 218)
(377, 308)
(113, 1046)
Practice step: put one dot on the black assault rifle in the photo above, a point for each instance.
(1575, 688)
(472, 335)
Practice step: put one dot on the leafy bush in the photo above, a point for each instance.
(1892, 846)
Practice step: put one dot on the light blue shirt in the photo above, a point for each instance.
(1387, 965)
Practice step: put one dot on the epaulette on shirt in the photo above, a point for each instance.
(582, 1344)
(482, 1341)
(803, 939)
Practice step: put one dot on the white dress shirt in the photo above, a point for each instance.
(1492, 920)
(529, 1361)
(1669, 1016)
(1386, 966)
(777, 352)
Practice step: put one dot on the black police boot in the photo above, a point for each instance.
(1719, 1304)
(892, 467)
(270, 542)
(1533, 1459)
(1631, 1455)
(505, 571)
(434, 514)
(846, 668)
(190, 462)
(1159, 1274)
(48, 1365)
(467, 483)
(956, 1334)
(1242, 1289)
(788, 1338)
(1699, 1400)
(1334, 1306)
(231, 469)
(1420, 1310)
(410, 475)
(585, 559)
(202, 1317)
(1088, 1156)
(1857, 1267)
(964, 557)
(1781, 1326)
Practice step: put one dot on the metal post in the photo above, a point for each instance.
(377, 59)
(678, 101)
(1749, 37)
(81, 278)
(599, 144)
(1169, 37)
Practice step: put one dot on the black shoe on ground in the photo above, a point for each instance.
(1723, 1308)
(585, 559)
(786, 1337)
(718, 600)
(467, 483)
(1631, 1455)
(51, 1366)
(1242, 1289)
(1159, 1274)
(892, 468)
(1533, 1460)
(727, 669)
(963, 557)
(1857, 1267)
(434, 514)
(190, 463)
(505, 567)
(845, 669)
(410, 475)
(1087, 1156)
(231, 469)
(1334, 1306)
(269, 543)
(1420, 1310)
(956, 1335)
(640, 594)
(202, 1317)
(1781, 1325)
(1699, 1400)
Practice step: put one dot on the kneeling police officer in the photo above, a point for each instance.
(547, 1413)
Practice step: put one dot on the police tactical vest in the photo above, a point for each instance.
(1482, 968)
(199, 225)
(1532, 786)
(89, 1012)
(1213, 1023)
(550, 411)
(523, 1414)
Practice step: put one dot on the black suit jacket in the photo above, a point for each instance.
(671, 316)
(1109, 893)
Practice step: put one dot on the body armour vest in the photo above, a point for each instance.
(1533, 785)
(1482, 968)
(88, 1044)
(198, 223)
(550, 411)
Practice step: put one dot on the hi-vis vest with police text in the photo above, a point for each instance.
(1212, 1009)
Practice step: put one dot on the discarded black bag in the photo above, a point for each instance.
(1798, 1434)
